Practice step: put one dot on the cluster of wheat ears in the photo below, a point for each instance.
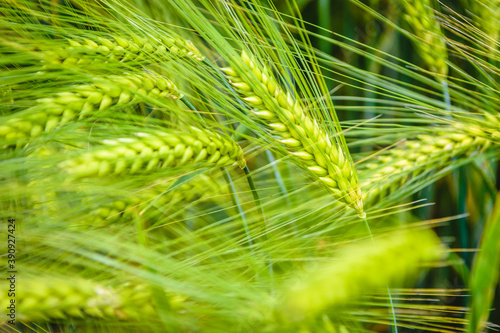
(179, 166)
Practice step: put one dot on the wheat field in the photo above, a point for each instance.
(250, 166)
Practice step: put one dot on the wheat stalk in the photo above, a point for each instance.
(391, 170)
(299, 133)
(158, 150)
(431, 45)
(84, 52)
(83, 101)
(356, 271)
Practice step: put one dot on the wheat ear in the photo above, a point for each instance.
(432, 46)
(199, 188)
(44, 299)
(389, 171)
(299, 133)
(82, 101)
(489, 16)
(146, 152)
(357, 271)
(486, 126)
(83, 52)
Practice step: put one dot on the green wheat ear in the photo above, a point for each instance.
(53, 298)
(392, 169)
(100, 50)
(430, 45)
(82, 101)
(357, 271)
(160, 196)
(155, 151)
(299, 133)
(485, 273)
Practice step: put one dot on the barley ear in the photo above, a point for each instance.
(118, 49)
(431, 45)
(392, 169)
(356, 271)
(161, 194)
(301, 135)
(82, 101)
(155, 151)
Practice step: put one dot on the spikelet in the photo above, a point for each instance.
(149, 152)
(431, 45)
(82, 101)
(300, 134)
(360, 269)
(84, 52)
(40, 299)
(397, 166)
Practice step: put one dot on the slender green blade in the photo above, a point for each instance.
(485, 272)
